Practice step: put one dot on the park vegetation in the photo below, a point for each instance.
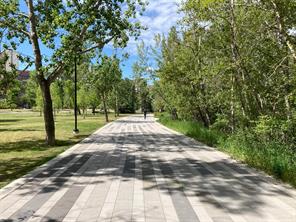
(101, 89)
(69, 29)
(226, 75)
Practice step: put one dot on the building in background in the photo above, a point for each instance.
(23, 75)
(16, 95)
(12, 61)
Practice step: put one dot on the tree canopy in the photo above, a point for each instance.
(67, 28)
(230, 64)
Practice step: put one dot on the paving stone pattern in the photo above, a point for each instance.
(138, 170)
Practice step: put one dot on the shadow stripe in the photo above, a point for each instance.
(182, 205)
(62, 207)
(129, 166)
(36, 202)
(56, 167)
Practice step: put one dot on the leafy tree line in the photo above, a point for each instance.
(230, 65)
(68, 29)
(226, 75)
(100, 87)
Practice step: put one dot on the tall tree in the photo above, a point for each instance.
(106, 76)
(67, 28)
(230, 62)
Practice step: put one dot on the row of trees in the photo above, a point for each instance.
(99, 86)
(67, 29)
(230, 64)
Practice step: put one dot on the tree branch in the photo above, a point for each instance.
(26, 67)
(55, 74)
(7, 24)
(99, 45)
(22, 15)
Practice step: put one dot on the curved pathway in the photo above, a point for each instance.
(138, 170)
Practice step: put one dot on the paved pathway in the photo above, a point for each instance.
(138, 170)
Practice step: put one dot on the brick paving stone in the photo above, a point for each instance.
(138, 170)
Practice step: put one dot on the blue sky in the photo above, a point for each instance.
(159, 16)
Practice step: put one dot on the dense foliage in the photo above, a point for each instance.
(230, 66)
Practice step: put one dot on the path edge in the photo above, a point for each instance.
(267, 178)
(15, 184)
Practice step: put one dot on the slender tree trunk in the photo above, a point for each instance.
(116, 105)
(44, 83)
(204, 117)
(288, 91)
(241, 78)
(235, 75)
(232, 114)
(105, 108)
(282, 31)
(288, 107)
(282, 36)
(48, 113)
(174, 114)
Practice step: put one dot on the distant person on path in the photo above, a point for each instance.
(145, 113)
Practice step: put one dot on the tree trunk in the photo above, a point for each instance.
(232, 114)
(288, 107)
(282, 31)
(105, 108)
(48, 113)
(83, 111)
(44, 84)
(174, 114)
(282, 36)
(116, 105)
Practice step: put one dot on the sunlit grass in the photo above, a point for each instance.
(22, 134)
(275, 159)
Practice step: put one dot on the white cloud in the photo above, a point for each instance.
(159, 17)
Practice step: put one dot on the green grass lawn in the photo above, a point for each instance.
(22, 134)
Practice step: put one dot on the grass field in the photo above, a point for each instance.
(22, 146)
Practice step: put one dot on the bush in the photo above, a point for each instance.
(221, 124)
(272, 157)
(3, 104)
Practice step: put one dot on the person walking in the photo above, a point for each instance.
(145, 113)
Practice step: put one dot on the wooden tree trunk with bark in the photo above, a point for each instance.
(44, 83)
(117, 106)
(48, 112)
(105, 108)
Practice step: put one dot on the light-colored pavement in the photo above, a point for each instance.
(138, 170)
